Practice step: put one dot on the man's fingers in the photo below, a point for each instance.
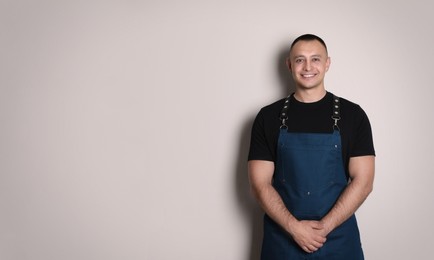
(310, 249)
(317, 244)
(317, 225)
(313, 246)
(321, 240)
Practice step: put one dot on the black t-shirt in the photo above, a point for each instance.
(355, 129)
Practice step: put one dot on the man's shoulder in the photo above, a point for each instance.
(275, 105)
(273, 109)
(349, 106)
(353, 112)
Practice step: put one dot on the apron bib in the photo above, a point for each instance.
(309, 176)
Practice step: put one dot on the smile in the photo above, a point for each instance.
(308, 75)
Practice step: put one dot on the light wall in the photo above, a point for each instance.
(124, 125)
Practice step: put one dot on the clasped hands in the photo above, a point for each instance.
(310, 235)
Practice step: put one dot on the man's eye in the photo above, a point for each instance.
(298, 60)
(315, 59)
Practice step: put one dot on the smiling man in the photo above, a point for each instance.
(311, 164)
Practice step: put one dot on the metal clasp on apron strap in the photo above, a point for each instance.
(284, 113)
(336, 116)
(336, 112)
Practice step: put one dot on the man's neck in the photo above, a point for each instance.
(309, 95)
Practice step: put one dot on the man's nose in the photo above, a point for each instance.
(307, 65)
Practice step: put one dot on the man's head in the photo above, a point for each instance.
(308, 61)
(308, 37)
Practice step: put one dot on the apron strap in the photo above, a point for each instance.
(336, 112)
(284, 113)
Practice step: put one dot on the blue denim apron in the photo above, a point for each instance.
(309, 176)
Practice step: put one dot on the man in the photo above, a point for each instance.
(311, 164)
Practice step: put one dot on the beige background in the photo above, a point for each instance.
(124, 125)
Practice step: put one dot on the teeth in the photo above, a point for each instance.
(308, 76)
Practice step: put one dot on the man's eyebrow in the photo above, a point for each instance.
(299, 56)
(303, 56)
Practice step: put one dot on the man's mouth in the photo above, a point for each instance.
(308, 75)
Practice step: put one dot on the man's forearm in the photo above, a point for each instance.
(347, 204)
(273, 205)
(362, 173)
(307, 234)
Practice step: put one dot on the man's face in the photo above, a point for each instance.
(308, 63)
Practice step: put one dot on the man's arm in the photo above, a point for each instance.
(308, 234)
(361, 170)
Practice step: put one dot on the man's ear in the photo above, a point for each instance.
(288, 64)
(329, 61)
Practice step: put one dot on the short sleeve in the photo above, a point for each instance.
(363, 141)
(260, 148)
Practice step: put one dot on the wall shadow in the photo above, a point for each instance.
(250, 209)
(287, 85)
(252, 213)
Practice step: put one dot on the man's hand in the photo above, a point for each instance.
(309, 235)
